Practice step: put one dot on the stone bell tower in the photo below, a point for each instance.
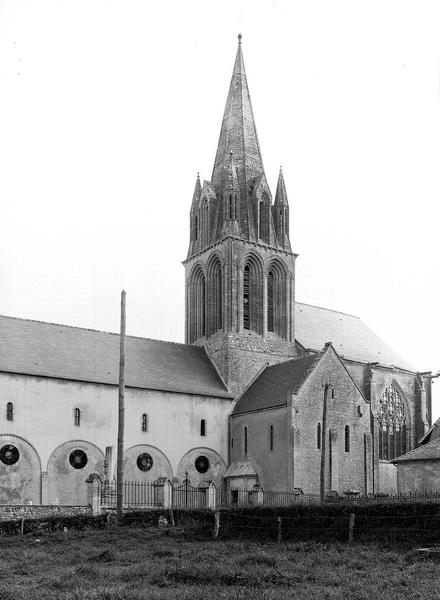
(240, 269)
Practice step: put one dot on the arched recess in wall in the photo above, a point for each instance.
(215, 298)
(252, 294)
(393, 423)
(197, 304)
(20, 471)
(68, 467)
(145, 463)
(277, 313)
(263, 218)
(205, 221)
(201, 464)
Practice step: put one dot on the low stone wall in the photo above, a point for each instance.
(11, 512)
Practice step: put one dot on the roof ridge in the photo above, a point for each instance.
(138, 337)
(339, 312)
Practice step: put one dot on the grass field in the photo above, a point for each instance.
(147, 563)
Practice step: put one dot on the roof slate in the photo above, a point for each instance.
(351, 338)
(430, 451)
(50, 350)
(272, 387)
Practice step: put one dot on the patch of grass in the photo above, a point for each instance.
(139, 563)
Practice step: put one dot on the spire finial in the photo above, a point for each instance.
(281, 168)
(198, 174)
(239, 38)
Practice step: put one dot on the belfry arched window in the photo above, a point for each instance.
(197, 303)
(215, 296)
(77, 417)
(392, 421)
(276, 299)
(252, 296)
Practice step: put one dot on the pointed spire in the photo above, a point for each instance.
(281, 194)
(197, 193)
(238, 132)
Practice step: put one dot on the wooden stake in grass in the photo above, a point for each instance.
(279, 530)
(350, 528)
(216, 524)
(121, 415)
(22, 525)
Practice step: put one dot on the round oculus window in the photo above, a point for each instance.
(144, 462)
(202, 464)
(78, 459)
(9, 454)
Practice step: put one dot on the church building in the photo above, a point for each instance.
(262, 385)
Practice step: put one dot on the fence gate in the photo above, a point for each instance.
(188, 496)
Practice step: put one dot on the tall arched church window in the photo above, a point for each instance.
(196, 227)
(276, 300)
(9, 411)
(215, 297)
(270, 301)
(246, 297)
(252, 296)
(392, 422)
(197, 305)
(77, 417)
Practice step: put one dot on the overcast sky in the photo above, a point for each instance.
(108, 108)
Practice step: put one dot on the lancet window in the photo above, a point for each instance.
(252, 296)
(392, 421)
(276, 300)
(197, 292)
(215, 282)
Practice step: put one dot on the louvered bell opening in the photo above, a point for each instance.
(246, 297)
(270, 279)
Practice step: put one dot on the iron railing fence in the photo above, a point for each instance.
(135, 493)
(186, 496)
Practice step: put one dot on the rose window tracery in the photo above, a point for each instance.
(392, 420)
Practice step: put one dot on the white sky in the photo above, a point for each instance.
(108, 108)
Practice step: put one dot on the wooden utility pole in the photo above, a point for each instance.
(121, 415)
(323, 441)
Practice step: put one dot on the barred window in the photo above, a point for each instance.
(9, 411)
(392, 421)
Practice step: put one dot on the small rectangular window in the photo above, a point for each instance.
(271, 438)
(144, 422)
(203, 427)
(347, 438)
(245, 440)
(9, 411)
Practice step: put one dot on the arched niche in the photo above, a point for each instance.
(67, 470)
(20, 471)
(145, 463)
(199, 469)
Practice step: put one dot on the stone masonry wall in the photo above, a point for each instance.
(18, 511)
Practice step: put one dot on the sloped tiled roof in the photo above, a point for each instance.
(46, 349)
(351, 338)
(430, 451)
(272, 387)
